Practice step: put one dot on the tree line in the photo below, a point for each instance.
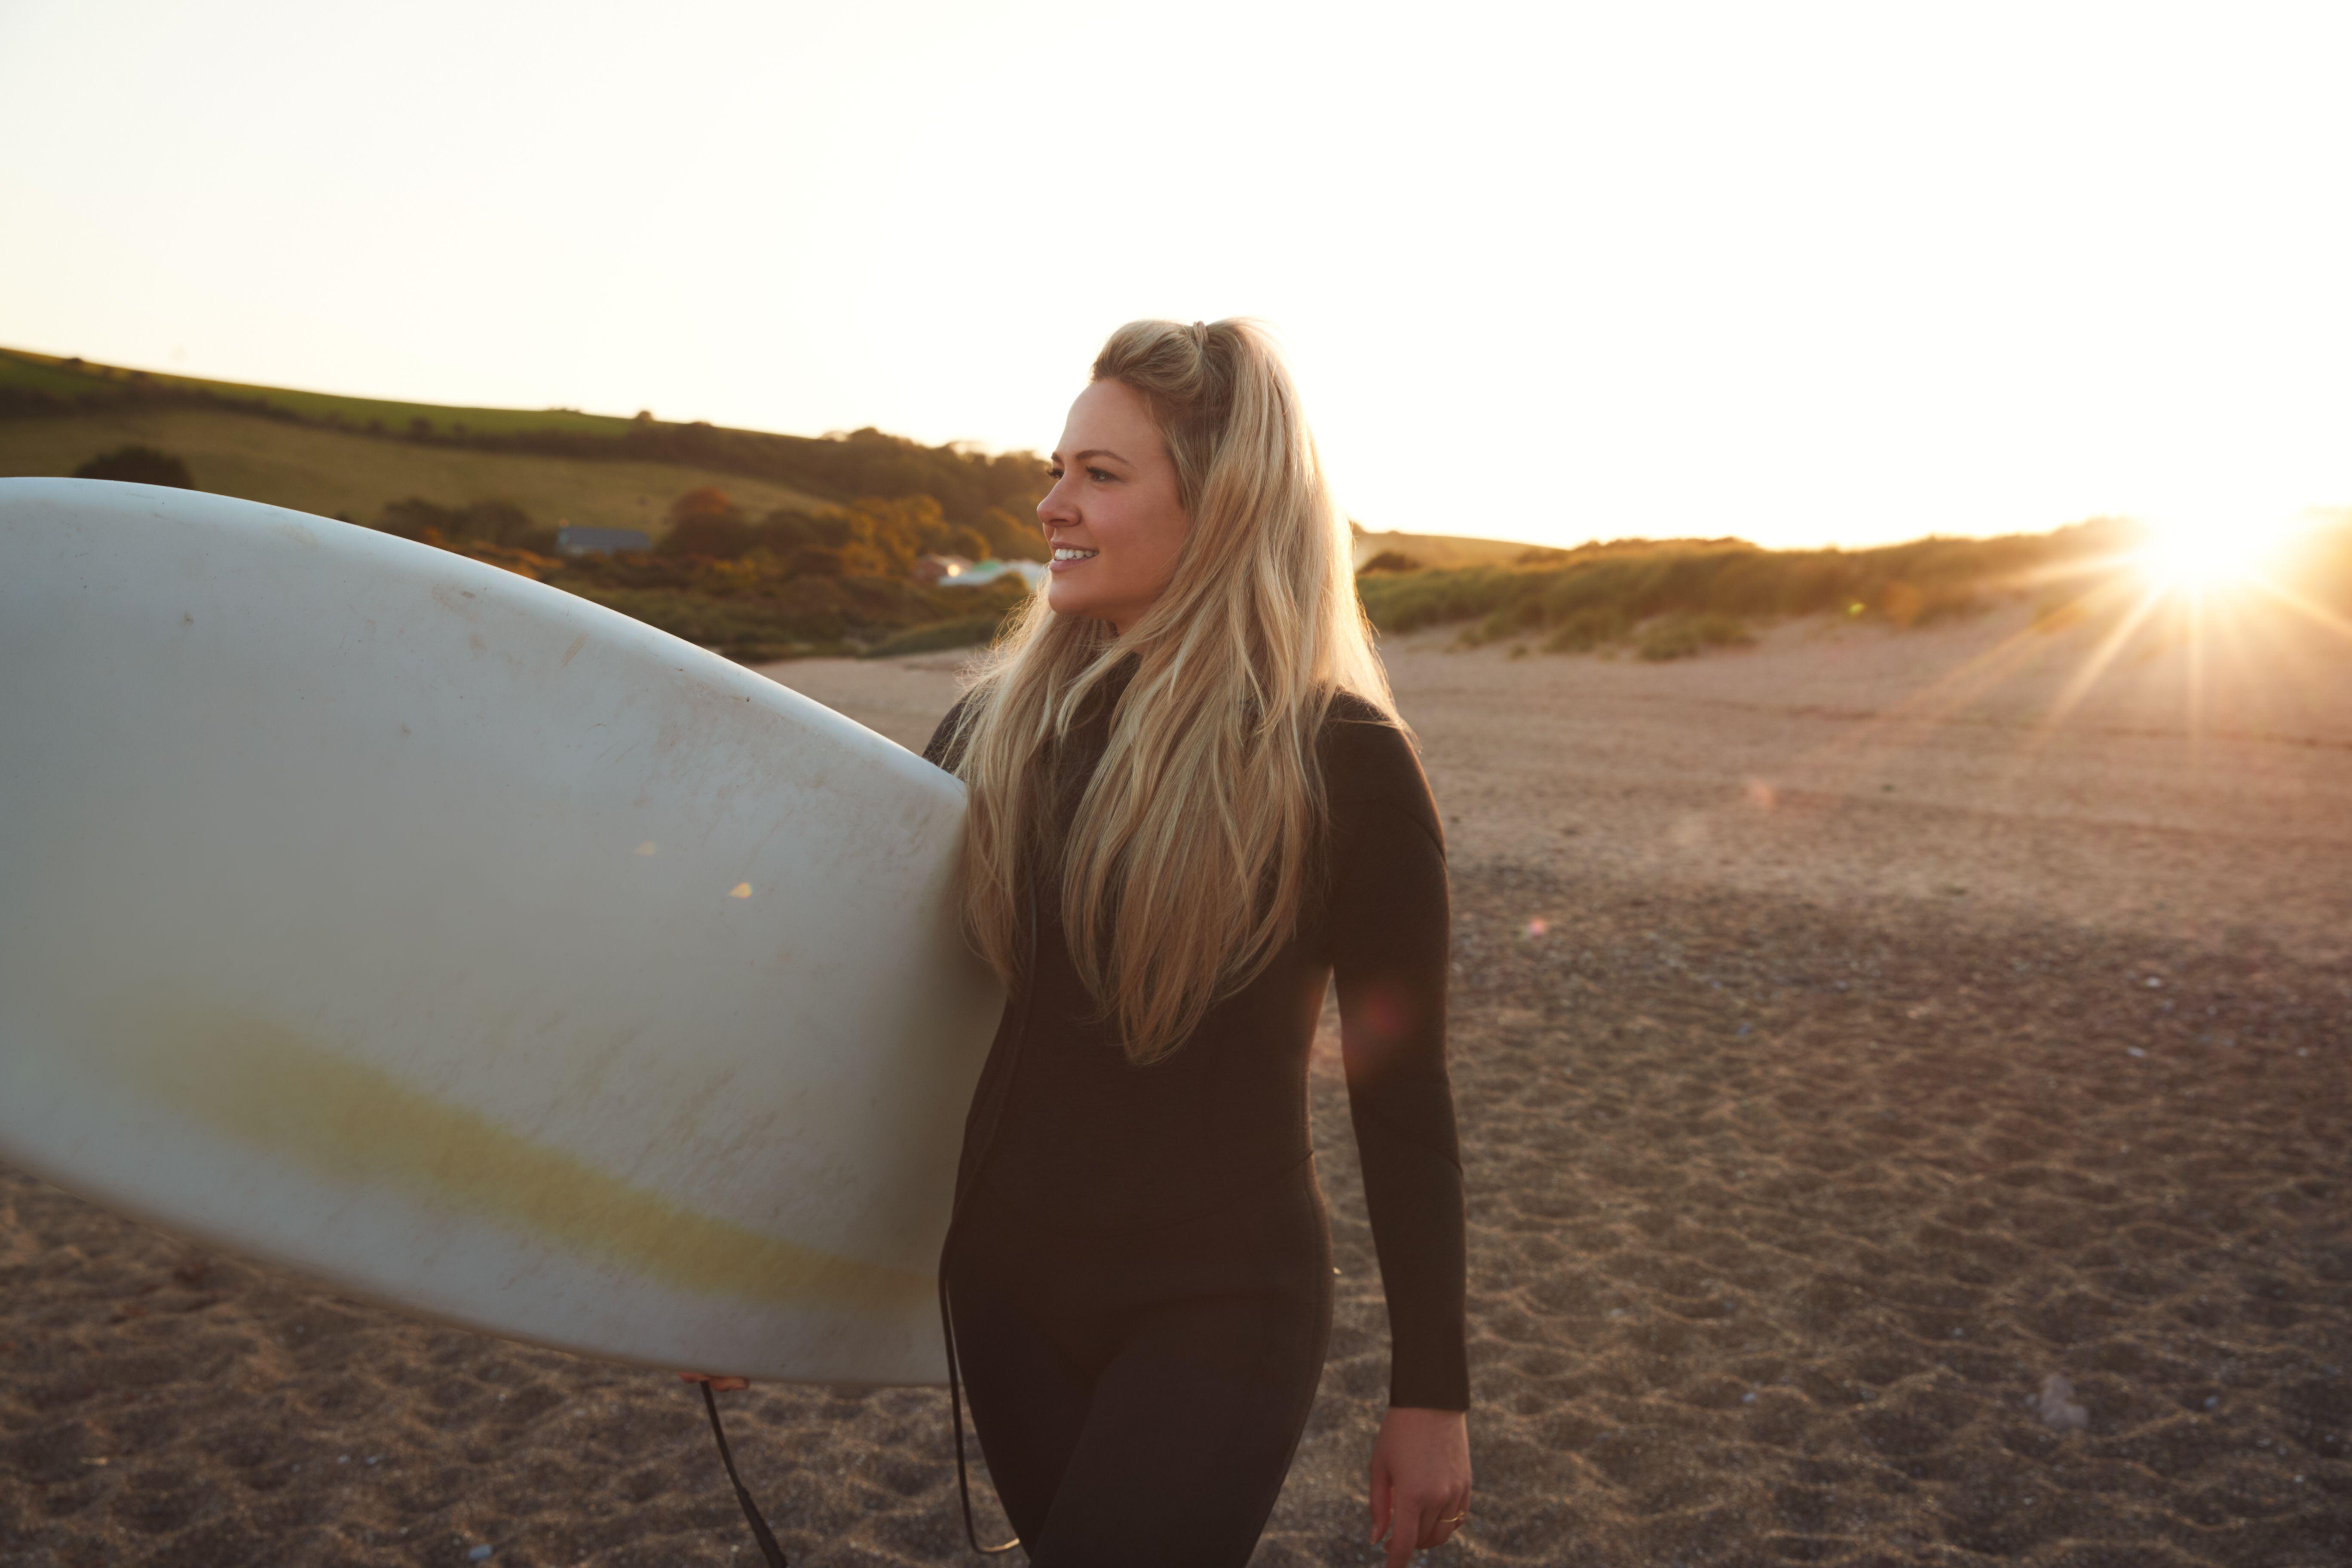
(873, 536)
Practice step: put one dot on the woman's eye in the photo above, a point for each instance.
(1054, 473)
(1100, 477)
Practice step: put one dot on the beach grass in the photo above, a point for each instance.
(1673, 598)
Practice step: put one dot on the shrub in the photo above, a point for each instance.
(138, 465)
(1521, 615)
(1390, 561)
(1009, 538)
(1401, 602)
(715, 536)
(1682, 637)
(483, 522)
(1583, 630)
(1950, 602)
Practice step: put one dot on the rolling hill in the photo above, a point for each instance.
(340, 473)
(352, 457)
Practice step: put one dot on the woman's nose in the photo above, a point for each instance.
(1055, 508)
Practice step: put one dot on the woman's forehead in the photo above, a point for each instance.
(1110, 416)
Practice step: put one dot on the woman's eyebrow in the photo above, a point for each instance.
(1095, 452)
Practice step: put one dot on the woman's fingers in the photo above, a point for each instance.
(1412, 1520)
(1421, 1478)
(1420, 1521)
(1444, 1519)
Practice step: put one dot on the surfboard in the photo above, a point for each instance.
(468, 947)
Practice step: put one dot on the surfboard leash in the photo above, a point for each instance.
(955, 1419)
(760, 1530)
(947, 1323)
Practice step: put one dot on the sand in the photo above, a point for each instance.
(1843, 1051)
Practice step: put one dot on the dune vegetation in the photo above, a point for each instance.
(1672, 599)
(1396, 550)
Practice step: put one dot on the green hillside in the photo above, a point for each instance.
(766, 546)
(355, 456)
(340, 473)
(77, 378)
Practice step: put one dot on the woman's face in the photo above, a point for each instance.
(1115, 494)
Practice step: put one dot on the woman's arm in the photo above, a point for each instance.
(1390, 939)
(1391, 950)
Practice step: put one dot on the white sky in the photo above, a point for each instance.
(1801, 273)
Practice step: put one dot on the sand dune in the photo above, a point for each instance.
(1844, 1053)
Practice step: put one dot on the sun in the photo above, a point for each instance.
(2199, 554)
(2192, 559)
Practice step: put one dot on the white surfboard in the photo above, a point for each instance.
(468, 947)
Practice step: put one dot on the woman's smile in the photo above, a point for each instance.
(1113, 477)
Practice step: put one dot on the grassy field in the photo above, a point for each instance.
(20, 368)
(331, 472)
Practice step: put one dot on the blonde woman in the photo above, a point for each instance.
(1192, 803)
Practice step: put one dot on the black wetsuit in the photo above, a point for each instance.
(1140, 1272)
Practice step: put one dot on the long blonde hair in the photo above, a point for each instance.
(1187, 862)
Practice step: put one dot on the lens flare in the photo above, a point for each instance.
(2199, 554)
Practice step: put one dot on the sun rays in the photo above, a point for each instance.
(2212, 586)
(2184, 610)
(2211, 583)
(2198, 554)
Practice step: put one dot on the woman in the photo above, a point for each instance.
(1191, 805)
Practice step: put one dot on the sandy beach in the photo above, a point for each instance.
(1902, 1095)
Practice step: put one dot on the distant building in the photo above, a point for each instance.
(600, 540)
(937, 568)
(1030, 572)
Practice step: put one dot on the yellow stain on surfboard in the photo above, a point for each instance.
(645, 848)
(740, 891)
(268, 1086)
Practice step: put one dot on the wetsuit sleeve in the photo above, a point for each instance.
(944, 748)
(1391, 932)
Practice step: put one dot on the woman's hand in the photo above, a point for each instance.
(720, 1384)
(1421, 1478)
